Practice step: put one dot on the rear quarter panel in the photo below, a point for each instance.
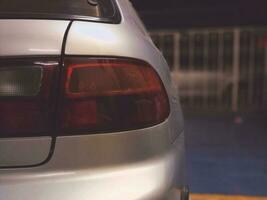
(127, 39)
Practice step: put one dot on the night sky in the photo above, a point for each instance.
(188, 13)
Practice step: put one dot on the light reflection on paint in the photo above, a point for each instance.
(44, 50)
(132, 181)
(100, 34)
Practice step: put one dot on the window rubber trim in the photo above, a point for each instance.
(114, 19)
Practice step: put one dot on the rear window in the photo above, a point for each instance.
(103, 10)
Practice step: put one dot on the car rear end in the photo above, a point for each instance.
(87, 107)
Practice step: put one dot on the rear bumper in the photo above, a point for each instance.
(149, 179)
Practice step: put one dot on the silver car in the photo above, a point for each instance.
(87, 106)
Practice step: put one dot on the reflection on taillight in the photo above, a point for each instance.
(102, 95)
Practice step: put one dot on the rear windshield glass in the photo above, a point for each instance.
(104, 9)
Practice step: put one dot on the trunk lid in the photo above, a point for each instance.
(21, 40)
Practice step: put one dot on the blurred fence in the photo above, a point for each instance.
(222, 69)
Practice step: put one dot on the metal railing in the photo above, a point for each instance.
(217, 69)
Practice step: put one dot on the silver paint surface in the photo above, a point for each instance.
(31, 37)
(24, 151)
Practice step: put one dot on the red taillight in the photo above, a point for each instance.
(93, 95)
(111, 95)
(26, 97)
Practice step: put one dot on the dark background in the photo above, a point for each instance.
(186, 13)
(226, 152)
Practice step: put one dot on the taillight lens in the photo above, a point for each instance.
(111, 95)
(22, 81)
(26, 97)
(90, 95)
